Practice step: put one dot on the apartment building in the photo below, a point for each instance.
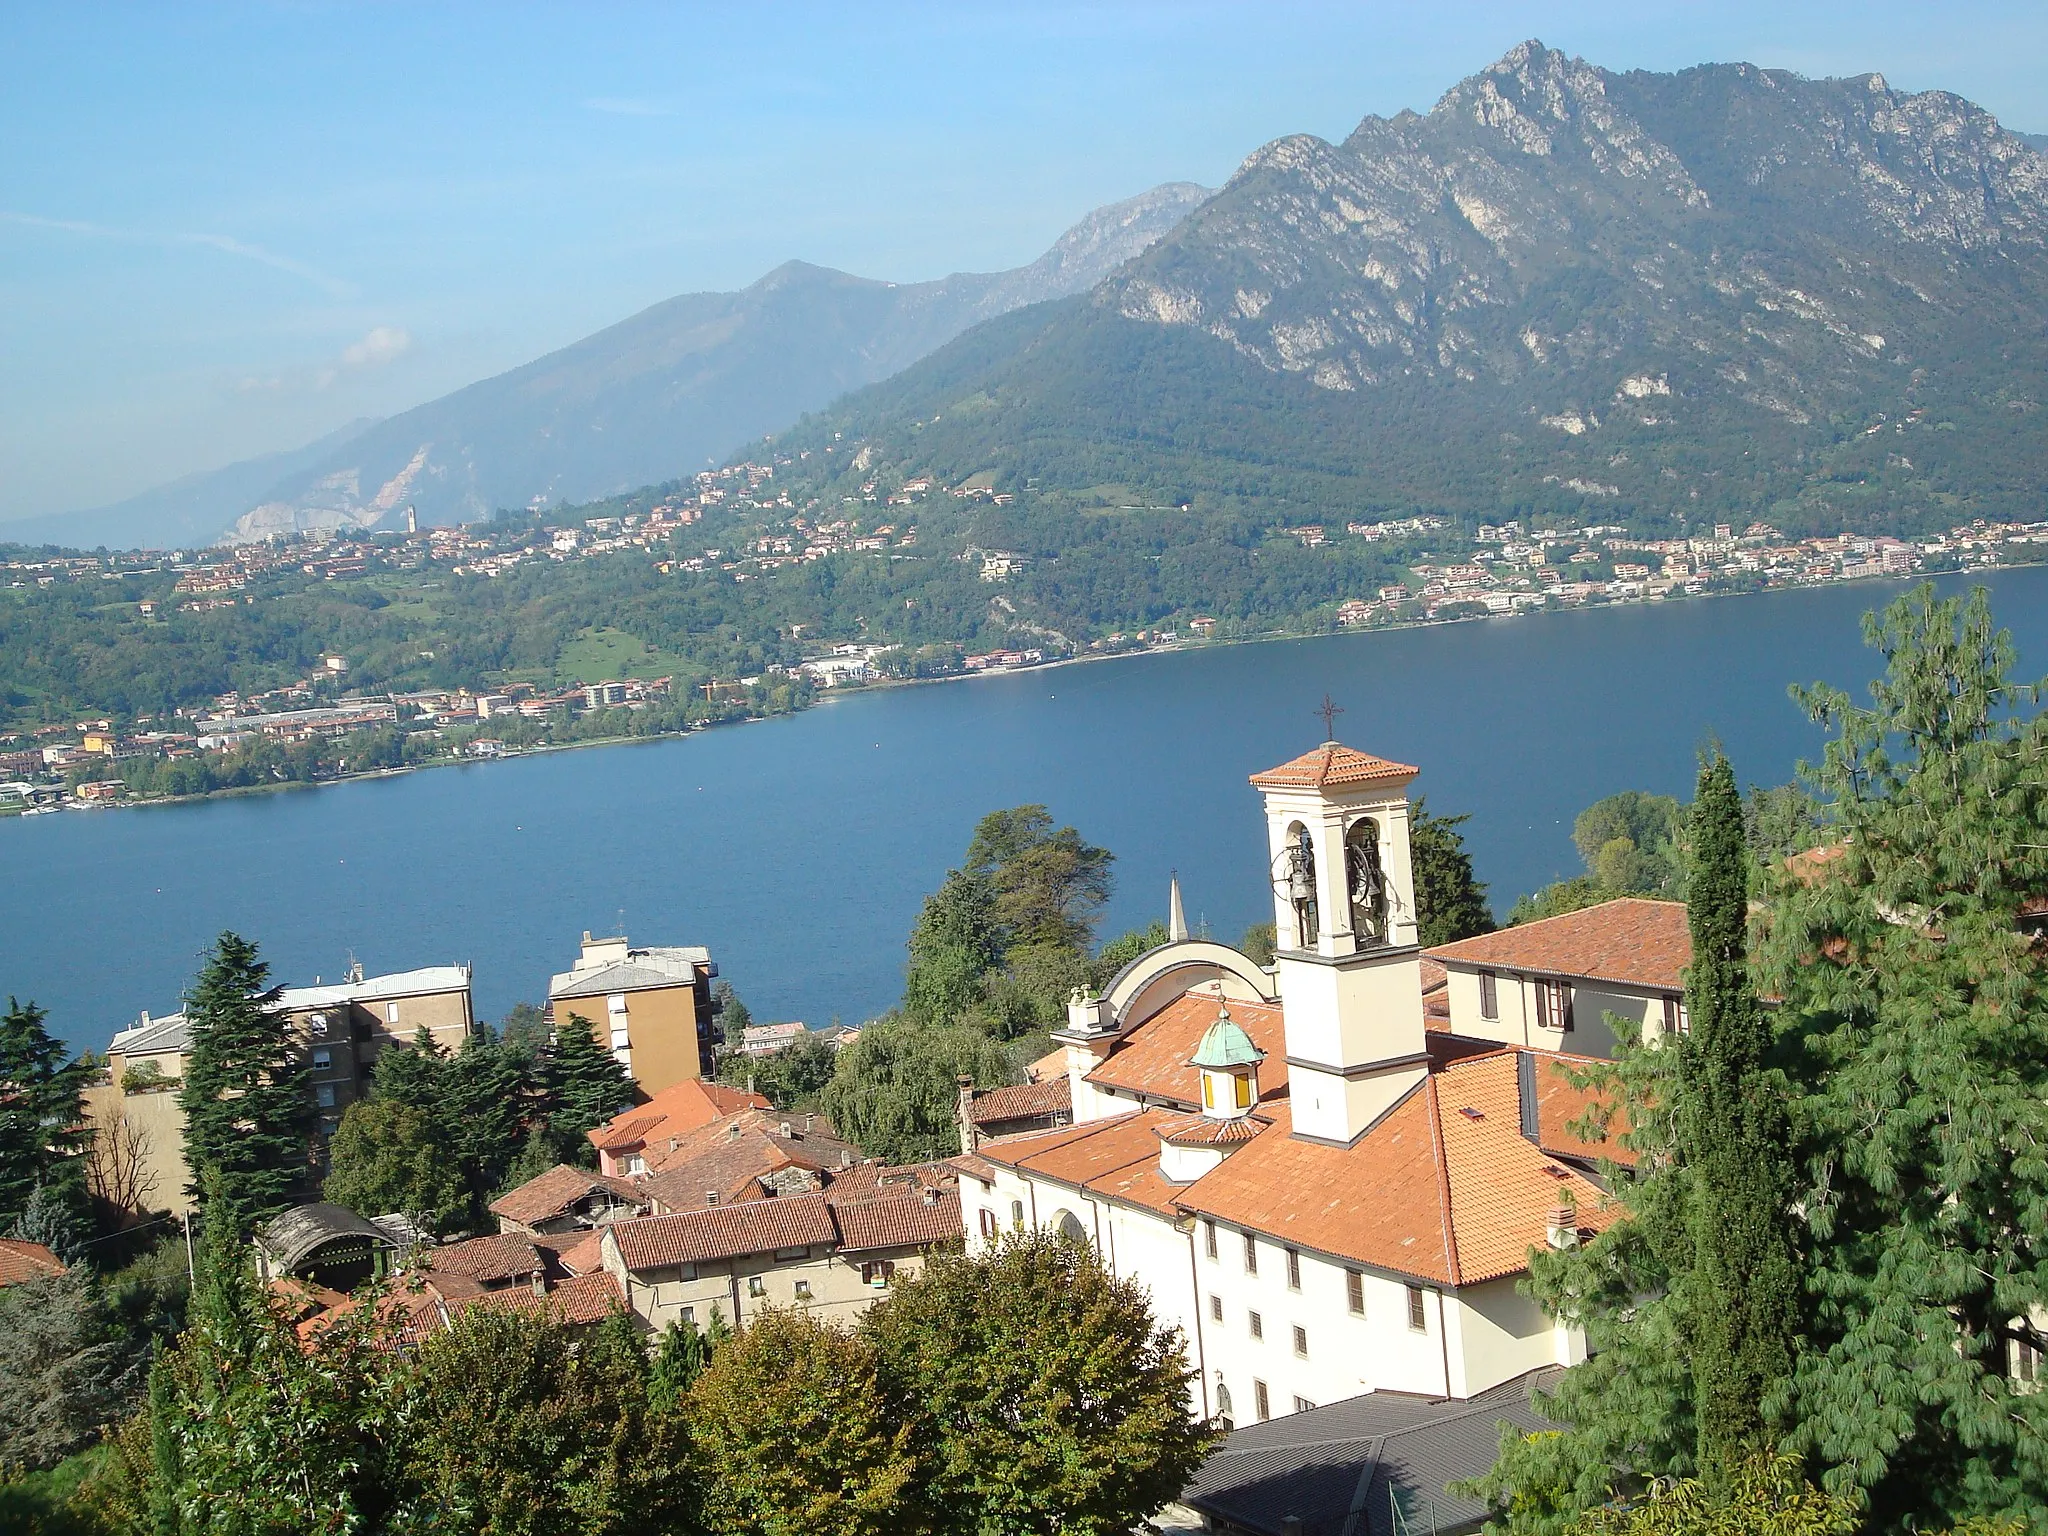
(652, 1006)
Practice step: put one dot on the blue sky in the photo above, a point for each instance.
(229, 229)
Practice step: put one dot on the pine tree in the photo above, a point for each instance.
(1450, 903)
(248, 1107)
(42, 1134)
(678, 1363)
(485, 1100)
(589, 1086)
(413, 1075)
(1915, 1007)
(1743, 1312)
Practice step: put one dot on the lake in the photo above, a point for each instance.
(798, 849)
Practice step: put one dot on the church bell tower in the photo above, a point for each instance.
(1346, 945)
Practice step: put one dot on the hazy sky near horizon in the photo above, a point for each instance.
(229, 229)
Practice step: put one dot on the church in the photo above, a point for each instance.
(1326, 1189)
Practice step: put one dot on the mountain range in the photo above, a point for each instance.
(1726, 293)
(662, 393)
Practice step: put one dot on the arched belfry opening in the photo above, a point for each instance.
(1365, 882)
(1295, 881)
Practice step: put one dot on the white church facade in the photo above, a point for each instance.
(1326, 1195)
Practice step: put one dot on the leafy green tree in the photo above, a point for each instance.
(1050, 1398)
(953, 947)
(387, 1156)
(791, 1078)
(1126, 947)
(1745, 1303)
(1259, 942)
(733, 1015)
(678, 1363)
(1049, 886)
(586, 1081)
(42, 1094)
(895, 1090)
(1763, 1496)
(794, 1434)
(1915, 1019)
(516, 1430)
(1450, 902)
(1629, 842)
(248, 1107)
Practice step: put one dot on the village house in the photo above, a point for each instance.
(652, 1007)
(1324, 1194)
(1554, 984)
(339, 1031)
(623, 1143)
(568, 1200)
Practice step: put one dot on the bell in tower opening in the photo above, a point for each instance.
(1366, 881)
(1298, 880)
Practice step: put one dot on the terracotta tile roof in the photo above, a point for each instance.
(584, 1299)
(811, 1142)
(553, 1192)
(672, 1112)
(1444, 1188)
(1153, 1059)
(22, 1261)
(1052, 1064)
(900, 1221)
(1023, 1101)
(1200, 1131)
(725, 1231)
(487, 1260)
(586, 1257)
(730, 1158)
(974, 1165)
(1330, 765)
(1633, 941)
(881, 1181)
(1117, 1158)
(1560, 1106)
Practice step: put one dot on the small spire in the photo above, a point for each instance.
(1176, 917)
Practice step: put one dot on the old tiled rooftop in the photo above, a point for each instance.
(1153, 1061)
(1632, 941)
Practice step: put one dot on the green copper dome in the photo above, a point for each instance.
(1226, 1045)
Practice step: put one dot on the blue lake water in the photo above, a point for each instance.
(799, 849)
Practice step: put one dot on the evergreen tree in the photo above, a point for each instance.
(677, 1364)
(486, 1096)
(42, 1097)
(1916, 1017)
(1744, 1309)
(388, 1157)
(248, 1107)
(589, 1086)
(413, 1075)
(1048, 885)
(1450, 903)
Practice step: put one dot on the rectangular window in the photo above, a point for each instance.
(1017, 1214)
(757, 1285)
(1417, 1318)
(1209, 1238)
(391, 1013)
(803, 1290)
(1215, 1309)
(1302, 1405)
(791, 1254)
(1208, 1091)
(1244, 1092)
(322, 1059)
(1670, 1015)
(689, 1271)
(1262, 1401)
(878, 1273)
(1258, 1325)
(1354, 1292)
(988, 1224)
(1251, 1255)
(1489, 996)
(1293, 1270)
(2026, 1363)
(1554, 1004)
(324, 1094)
(690, 1316)
(1301, 1341)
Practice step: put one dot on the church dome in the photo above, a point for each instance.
(1225, 1045)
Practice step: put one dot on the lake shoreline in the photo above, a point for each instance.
(835, 695)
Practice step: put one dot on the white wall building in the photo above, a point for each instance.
(1325, 1196)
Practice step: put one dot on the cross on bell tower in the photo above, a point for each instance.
(1330, 709)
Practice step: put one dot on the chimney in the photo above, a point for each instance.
(963, 1113)
(931, 1197)
(1561, 1227)
(710, 1197)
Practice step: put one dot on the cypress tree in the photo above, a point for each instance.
(1743, 1311)
(248, 1106)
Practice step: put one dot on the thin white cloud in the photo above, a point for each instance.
(383, 344)
(228, 245)
(629, 106)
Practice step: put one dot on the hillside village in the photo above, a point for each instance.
(1445, 572)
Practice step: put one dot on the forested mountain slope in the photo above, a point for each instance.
(1720, 294)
